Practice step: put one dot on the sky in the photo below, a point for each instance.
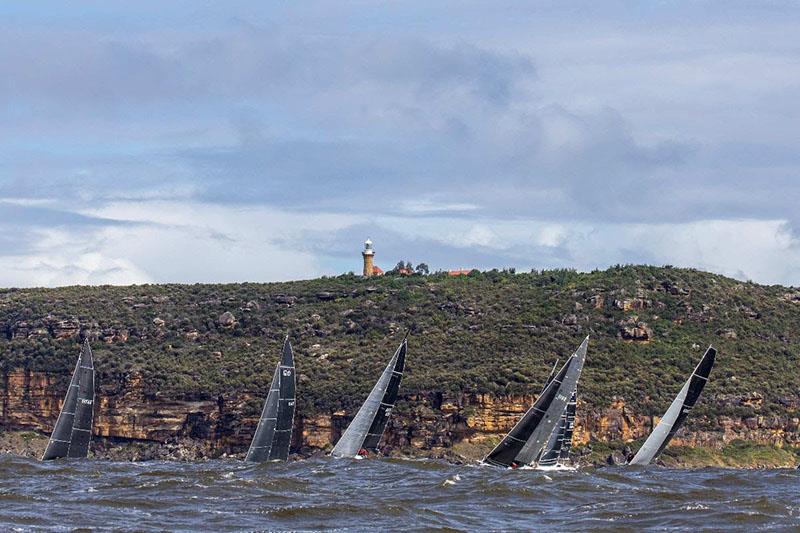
(145, 142)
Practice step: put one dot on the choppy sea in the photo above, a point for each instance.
(386, 494)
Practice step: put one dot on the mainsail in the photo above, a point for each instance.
(274, 432)
(557, 449)
(677, 412)
(73, 430)
(367, 427)
(524, 443)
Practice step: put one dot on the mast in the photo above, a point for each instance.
(678, 411)
(368, 425)
(273, 435)
(73, 430)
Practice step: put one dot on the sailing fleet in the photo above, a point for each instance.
(541, 438)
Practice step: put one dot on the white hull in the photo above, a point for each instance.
(556, 468)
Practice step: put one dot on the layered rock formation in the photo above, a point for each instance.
(424, 424)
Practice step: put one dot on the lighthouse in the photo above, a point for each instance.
(368, 254)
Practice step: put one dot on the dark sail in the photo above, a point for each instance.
(387, 402)
(677, 412)
(550, 455)
(557, 449)
(368, 425)
(73, 430)
(274, 432)
(505, 453)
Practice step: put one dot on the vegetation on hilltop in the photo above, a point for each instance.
(488, 332)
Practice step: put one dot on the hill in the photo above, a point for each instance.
(193, 361)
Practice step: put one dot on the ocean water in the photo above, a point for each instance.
(386, 494)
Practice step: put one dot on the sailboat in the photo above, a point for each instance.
(273, 435)
(73, 430)
(525, 443)
(556, 453)
(364, 433)
(677, 412)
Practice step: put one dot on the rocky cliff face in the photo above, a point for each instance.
(431, 424)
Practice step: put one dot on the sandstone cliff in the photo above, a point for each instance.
(432, 425)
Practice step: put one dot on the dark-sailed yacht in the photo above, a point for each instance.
(73, 430)
(274, 432)
(364, 433)
(677, 412)
(556, 453)
(525, 444)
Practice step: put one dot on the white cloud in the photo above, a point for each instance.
(198, 242)
(184, 241)
(59, 257)
(762, 250)
(430, 206)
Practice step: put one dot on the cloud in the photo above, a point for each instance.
(134, 144)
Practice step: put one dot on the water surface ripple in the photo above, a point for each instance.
(228, 495)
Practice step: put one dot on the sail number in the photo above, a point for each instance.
(84, 401)
(287, 372)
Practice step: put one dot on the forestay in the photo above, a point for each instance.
(367, 427)
(677, 412)
(273, 435)
(73, 430)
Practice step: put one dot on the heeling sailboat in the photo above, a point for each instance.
(273, 435)
(365, 430)
(523, 445)
(677, 412)
(556, 453)
(73, 430)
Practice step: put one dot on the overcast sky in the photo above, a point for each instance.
(189, 141)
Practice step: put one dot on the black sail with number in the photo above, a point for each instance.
(273, 435)
(73, 430)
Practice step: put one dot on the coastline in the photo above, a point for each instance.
(735, 455)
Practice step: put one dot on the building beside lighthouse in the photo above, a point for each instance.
(369, 266)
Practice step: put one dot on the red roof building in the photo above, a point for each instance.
(461, 272)
(377, 271)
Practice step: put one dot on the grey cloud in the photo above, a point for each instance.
(19, 224)
(88, 72)
(327, 121)
(12, 215)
